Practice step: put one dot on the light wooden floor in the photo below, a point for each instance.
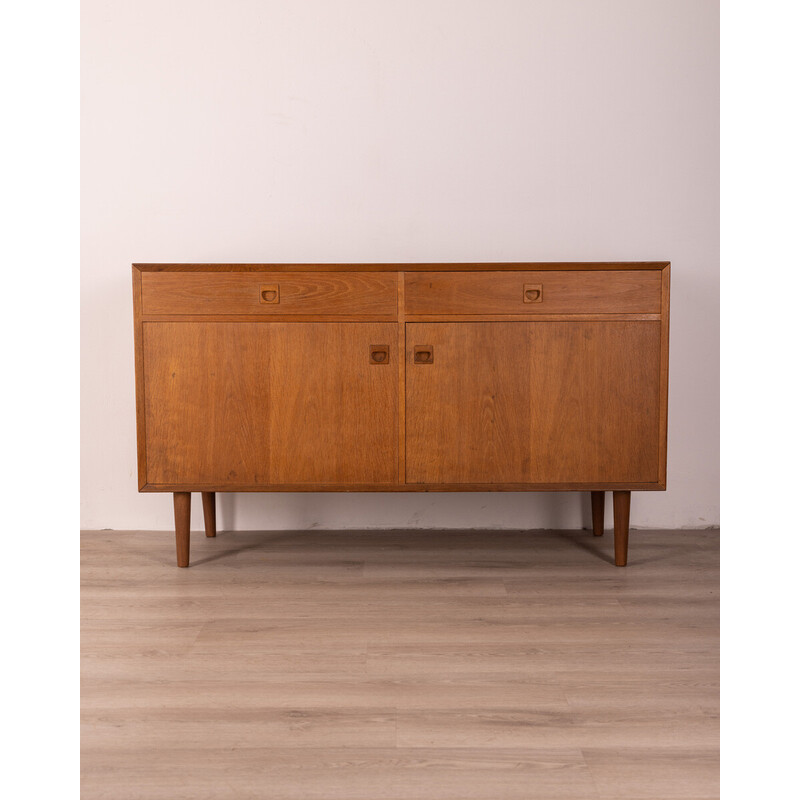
(366, 665)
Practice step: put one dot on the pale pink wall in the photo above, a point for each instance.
(245, 130)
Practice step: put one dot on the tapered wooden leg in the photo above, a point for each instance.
(622, 516)
(210, 512)
(598, 512)
(183, 510)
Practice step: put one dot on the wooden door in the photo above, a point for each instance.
(595, 401)
(532, 402)
(249, 405)
(334, 412)
(468, 409)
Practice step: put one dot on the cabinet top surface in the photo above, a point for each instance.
(415, 267)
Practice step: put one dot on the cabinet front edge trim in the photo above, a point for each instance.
(406, 487)
(487, 266)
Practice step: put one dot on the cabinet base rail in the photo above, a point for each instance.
(183, 510)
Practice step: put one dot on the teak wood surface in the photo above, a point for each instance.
(564, 292)
(246, 403)
(329, 293)
(405, 377)
(533, 402)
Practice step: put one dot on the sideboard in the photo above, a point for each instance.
(401, 377)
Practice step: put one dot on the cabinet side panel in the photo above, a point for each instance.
(664, 395)
(595, 401)
(141, 457)
(206, 402)
(401, 378)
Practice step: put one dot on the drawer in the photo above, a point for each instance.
(270, 293)
(545, 292)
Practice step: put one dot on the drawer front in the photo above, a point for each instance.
(550, 292)
(271, 294)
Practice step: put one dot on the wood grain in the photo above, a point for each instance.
(467, 417)
(528, 486)
(333, 415)
(183, 509)
(257, 476)
(594, 399)
(536, 402)
(283, 318)
(392, 664)
(472, 266)
(631, 291)
(598, 512)
(664, 386)
(141, 432)
(401, 378)
(207, 402)
(522, 317)
(622, 516)
(240, 293)
(210, 513)
(233, 404)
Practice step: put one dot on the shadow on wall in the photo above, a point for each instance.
(416, 510)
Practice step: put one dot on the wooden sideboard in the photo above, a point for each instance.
(401, 377)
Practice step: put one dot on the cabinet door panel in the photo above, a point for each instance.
(468, 412)
(334, 414)
(533, 402)
(255, 404)
(206, 402)
(595, 401)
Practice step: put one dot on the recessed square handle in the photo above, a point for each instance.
(270, 294)
(423, 354)
(379, 354)
(532, 293)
